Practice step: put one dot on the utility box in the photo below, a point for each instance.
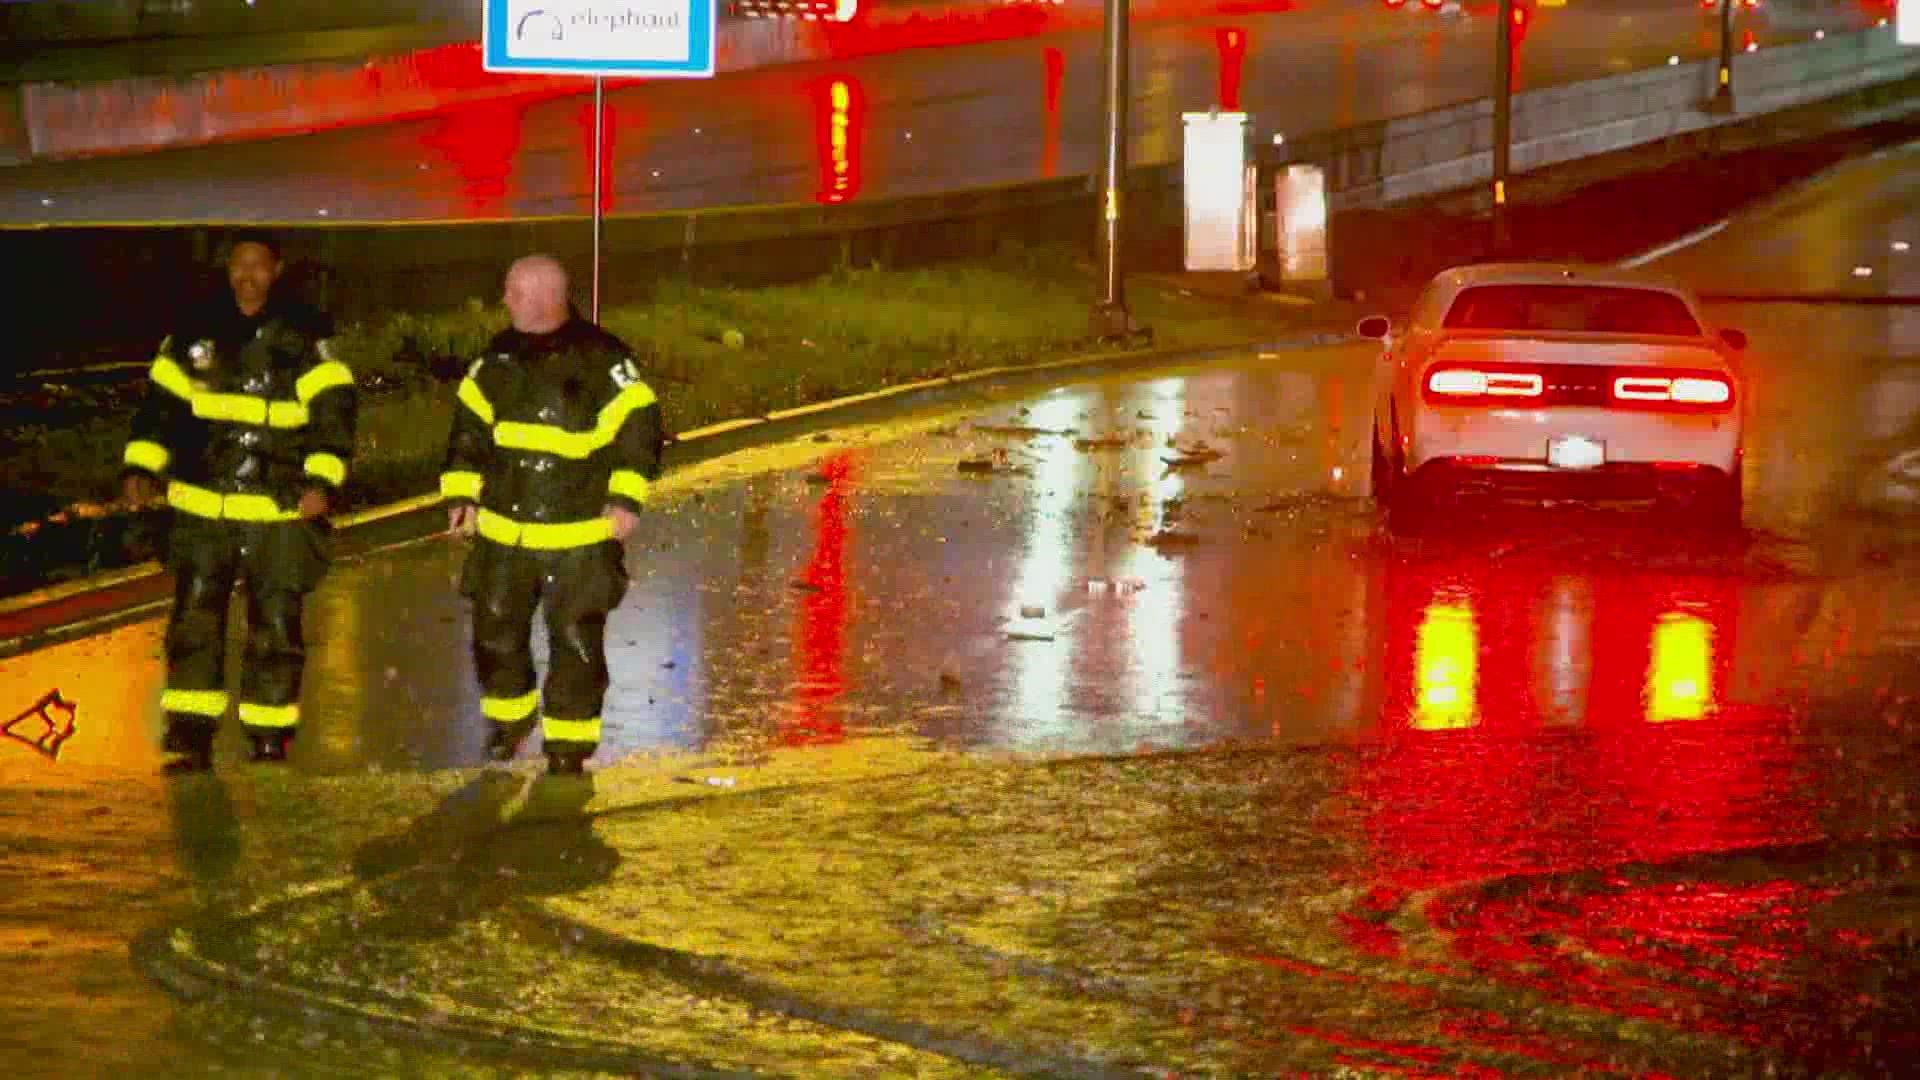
(1221, 189)
(1300, 219)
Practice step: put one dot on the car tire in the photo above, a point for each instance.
(1409, 507)
(1382, 471)
(1725, 502)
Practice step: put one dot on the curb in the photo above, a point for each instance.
(404, 518)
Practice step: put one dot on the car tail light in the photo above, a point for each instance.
(1468, 385)
(1705, 390)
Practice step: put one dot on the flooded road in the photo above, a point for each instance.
(1180, 560)
(1184, 560)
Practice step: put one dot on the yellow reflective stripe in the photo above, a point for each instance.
(200, 502)
(475, 399)
(633, 398)
(321, 379)
(238, 408)
(269, 716)
(248, 409)
(542, 536)
(570, 730)
(195, 702)
(514, 435)
(169, 376)
(549, 439)
(150, 456)
(629, 483)
(507, 710)
(460, 485)
(327, 467)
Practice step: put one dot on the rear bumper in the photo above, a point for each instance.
(1614, 481)
(1521, 436)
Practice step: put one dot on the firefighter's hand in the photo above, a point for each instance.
(624, 521)
(138, 489)
(314, 504)
(463, 519)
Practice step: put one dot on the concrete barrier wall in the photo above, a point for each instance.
(1452, 148)
(76, 22)
(144, 113)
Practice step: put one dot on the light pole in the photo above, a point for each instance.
(1110, 319)
(1502, 124)
(1723, 87)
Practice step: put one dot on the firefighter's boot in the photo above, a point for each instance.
(190, 746)
(270, 747)
(505, 739)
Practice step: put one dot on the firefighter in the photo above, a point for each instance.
(249, 425)
(555, 444)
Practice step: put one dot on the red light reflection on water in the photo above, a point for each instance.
(1484, 777)
(821, 636)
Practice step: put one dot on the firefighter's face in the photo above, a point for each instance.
(252, 270)
(536, 295)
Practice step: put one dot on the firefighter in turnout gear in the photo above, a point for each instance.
(249, 427)
(556, 442)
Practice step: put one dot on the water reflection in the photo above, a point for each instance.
(1680, 677)
(1041, 671)
(820, 636)
(1446, 658)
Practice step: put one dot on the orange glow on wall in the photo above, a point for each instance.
(481, 142)
(840, 108)
(1232, 43)
(1056, 62)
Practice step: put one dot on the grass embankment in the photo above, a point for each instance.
(848, 332)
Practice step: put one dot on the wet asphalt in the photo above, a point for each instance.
(1191, 558)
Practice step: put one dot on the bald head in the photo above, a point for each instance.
(536, 294)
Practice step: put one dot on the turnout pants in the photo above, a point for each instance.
(280, 562)
(580, 586)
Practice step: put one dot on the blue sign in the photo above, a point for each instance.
(655, 38)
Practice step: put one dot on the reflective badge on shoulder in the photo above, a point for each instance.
(625, 373)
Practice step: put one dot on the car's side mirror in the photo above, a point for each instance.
(1374, 326)
(1736, 339)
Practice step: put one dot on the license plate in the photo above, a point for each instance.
(1576, 452)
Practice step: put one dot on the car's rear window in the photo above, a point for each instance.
(1591, 309)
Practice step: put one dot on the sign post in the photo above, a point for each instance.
(634, 38)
